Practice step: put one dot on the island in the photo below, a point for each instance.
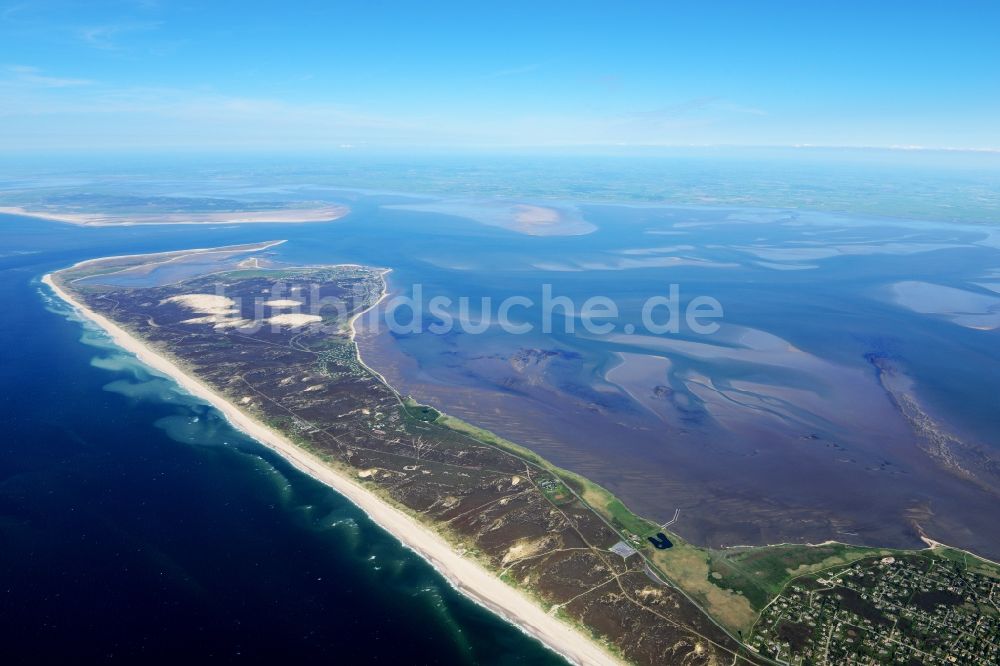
(272, 347)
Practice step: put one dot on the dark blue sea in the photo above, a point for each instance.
(136, 526)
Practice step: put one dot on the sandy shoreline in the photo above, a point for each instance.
(470, 578)
(288, 215)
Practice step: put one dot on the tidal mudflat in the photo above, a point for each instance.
(781, 426)
(775, 428)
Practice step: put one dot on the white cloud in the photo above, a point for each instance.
(105, 37)
(32, 76)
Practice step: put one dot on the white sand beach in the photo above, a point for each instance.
(467, 576)
(285, 215)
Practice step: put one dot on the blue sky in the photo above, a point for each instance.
(322, 75)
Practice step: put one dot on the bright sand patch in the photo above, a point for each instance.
(531, 219)
(965, 308)
(535, 215)
(219, 322)
(318, 214)
(294, 320)
(545, 221)
(209, 304)
(219, 311)
(467, 576)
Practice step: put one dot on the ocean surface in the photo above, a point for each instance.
(850, 392)
(137, 526)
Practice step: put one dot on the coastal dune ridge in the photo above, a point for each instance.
(465, 575)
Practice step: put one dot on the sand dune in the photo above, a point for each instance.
(294, 320)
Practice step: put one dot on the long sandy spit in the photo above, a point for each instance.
(282, 215)
(467, 576)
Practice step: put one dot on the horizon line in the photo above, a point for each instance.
(460, 148)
